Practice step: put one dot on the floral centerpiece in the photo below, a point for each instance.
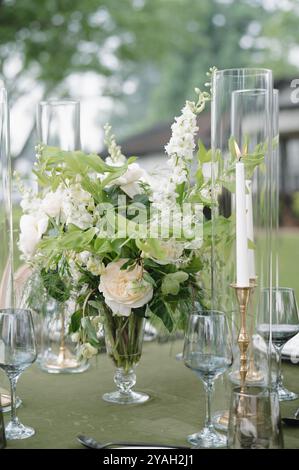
(119, 243)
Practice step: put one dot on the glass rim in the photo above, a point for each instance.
(13, 311)
(245, 71)
(54, 102)
(260, 392)
(278, 289)
(209, 311)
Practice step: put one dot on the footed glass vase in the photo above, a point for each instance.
(124, 338)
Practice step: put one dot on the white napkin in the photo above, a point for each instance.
(291, 349)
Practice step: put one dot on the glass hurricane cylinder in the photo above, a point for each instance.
(242, 113)
(58, 124)
(124, 338)
(242, 132)
(254, 420)
(6, 226)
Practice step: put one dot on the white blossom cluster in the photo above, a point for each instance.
(68, 205)
(184, 129)
(180, 150)
(116, 158)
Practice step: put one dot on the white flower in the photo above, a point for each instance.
(129, 181)
(31, 231)
(52, 203)
(87, 351)
(92, 263)
(124, 289)
(74, 271)
(182, 143)
(83, 257)
(116, 158)
(30, 203)
(95, 266)
(180, 150)
(75, 337)
(76, 205)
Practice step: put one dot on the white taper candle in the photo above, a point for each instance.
(241, 229)
(250, 233)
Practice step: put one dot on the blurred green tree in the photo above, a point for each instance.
(162, 48)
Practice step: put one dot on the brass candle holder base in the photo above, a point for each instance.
(243, 295)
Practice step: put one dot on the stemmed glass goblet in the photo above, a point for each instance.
(208, 352)
(285, 325)
(17, 352)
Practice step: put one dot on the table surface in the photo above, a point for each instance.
(61, 406)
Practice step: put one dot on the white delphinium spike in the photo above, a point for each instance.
(116, 158)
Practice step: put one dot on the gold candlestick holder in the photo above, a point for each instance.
(253, 376)
(245, 371)
(243, 295)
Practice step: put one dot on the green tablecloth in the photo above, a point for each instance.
(61, 406)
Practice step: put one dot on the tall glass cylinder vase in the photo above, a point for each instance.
(6, 226)
(244, 212)
(58, 124)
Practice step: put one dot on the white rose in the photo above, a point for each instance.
(124, 289)
(129, 181)
(32, 229)
(52, 203)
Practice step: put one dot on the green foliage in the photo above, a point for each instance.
(171, 282)
(55, 286)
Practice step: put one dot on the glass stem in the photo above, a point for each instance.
(279, 374)
(209, 391)
(13, 383)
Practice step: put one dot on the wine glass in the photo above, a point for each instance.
(208, 352)
(285, 325)
(254, 420)
(17, 352)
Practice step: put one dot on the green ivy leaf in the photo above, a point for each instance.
(75, 321)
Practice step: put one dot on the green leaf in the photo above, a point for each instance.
(76, 240)
(90, 330)
(102, 246)
(171, 282)
(75, 321)
(203, 155)
(162, 310)
(251, 245)
(194, 266)
(118, 171)
(199, 177)
(151, 247)
(148, 278)
(54, 285)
